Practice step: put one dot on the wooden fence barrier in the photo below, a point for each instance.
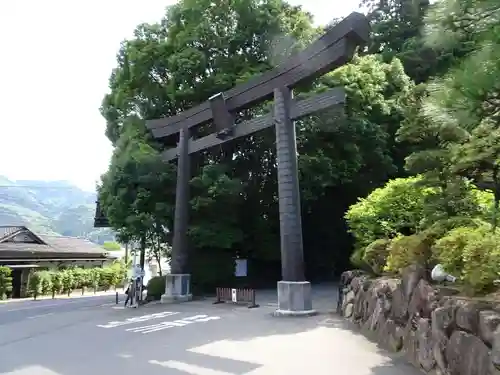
(236, 296)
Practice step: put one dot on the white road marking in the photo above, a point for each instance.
(190, 369)
(176, 323)
(138, 319)
(41, 306)
(40, 316)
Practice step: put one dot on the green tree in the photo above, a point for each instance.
(138, 189)
(198, 50)
(479, 158)
(35, 284)
(57, 286)
(5, 282)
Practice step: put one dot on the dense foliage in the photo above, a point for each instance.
(448, 213)
(418, 138)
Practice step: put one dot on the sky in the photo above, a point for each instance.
(56, 60)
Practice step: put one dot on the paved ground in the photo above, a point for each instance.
(90, 336)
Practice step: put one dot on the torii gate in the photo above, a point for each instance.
(333, 49)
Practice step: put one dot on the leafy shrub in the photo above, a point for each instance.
(407, 250)
(57, 285)
(472, 253)
(119, 273)
(68, 281)
(481, 256)
(156, 287)
(46, 282)
(5, 282)
(449, 249)
(35, 285)
(375, 255)
(95, 278)
(107, 278)
(78, 278)
(441, 227)
(397, 208)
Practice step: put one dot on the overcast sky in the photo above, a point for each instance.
(56, 60)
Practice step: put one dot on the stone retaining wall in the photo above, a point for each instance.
(439, 334)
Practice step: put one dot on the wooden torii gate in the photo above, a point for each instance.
(335, 48)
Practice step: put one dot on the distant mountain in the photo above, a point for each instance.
(50, 207)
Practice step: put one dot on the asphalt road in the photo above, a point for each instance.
(90, 336)
(12, 312)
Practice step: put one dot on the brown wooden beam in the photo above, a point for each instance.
(300, 108)
(333, 49)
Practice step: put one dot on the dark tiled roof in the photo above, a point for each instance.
(63, 244)
(50, 244)
(6, 230)
(25, 247)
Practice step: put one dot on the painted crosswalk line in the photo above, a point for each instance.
(138, 319)
(188, 368)
(171, 324)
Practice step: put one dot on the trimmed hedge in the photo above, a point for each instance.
(5, 282)
(67, 280)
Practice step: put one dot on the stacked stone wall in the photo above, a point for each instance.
(438, 333)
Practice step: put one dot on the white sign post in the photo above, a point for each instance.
(241, 268)
(233, 295)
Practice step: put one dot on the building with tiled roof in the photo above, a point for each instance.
(23, 250)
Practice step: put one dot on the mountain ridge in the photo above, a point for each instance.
(50, 207)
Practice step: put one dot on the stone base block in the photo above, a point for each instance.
(174, 299)
(177, 288)
(294, 299)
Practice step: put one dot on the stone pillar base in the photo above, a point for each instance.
(294, 299)
(177, 288)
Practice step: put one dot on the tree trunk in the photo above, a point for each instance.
(158, 255)
(126, 254)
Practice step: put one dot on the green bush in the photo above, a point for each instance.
(68, 281)
(119, 273)
(449, 249)
(375, 255)
(57, 285)
(440, 228)
(78, 277)
(35, 285)
(107, 278)
(5, 282)
(481, 257)
(95, 278)
(396, 208)
(406, 207)
(407, 250)
(156, 287)
(473, 253)
(46, 282)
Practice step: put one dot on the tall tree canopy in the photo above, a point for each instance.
(421, 99)
(198, 49)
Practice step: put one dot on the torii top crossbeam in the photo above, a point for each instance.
(333, 49)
